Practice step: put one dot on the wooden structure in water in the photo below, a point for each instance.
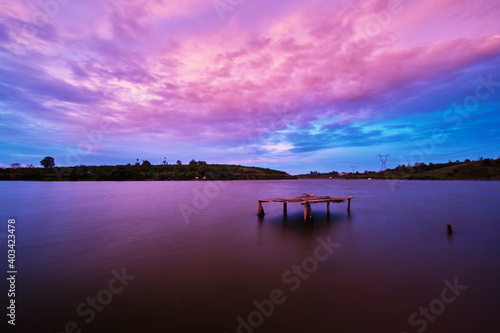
(306, 200)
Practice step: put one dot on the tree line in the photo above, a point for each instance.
(195, 170)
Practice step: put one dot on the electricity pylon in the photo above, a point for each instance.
(383, 159)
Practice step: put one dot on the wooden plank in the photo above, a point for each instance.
(310, 199)
(321, 201)
(294, 199)
(306, 201)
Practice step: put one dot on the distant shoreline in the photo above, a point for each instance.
(190, 172)
(484, 169)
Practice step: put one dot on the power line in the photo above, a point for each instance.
(372, 164)
(476, 150)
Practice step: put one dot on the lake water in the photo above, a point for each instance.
(195, 257)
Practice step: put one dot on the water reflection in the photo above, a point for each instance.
(394, 254)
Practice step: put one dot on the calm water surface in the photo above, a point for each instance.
(197, 257)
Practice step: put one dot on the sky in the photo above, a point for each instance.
(294, 85)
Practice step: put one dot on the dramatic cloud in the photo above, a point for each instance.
(292, 85)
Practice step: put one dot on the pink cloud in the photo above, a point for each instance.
(174, 70)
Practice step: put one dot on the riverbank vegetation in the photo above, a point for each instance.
(482, 169)
(144, 171)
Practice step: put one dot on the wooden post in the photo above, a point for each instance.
(261, 210)
(349, 205)
(328, 208)
(307, 212)
(284, 208)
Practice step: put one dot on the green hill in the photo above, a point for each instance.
(486, 169)
(477, 170)
(144, 172)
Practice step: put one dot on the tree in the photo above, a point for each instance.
(179, 162)
(193, 162)
(48, 162)
(15, 165)
(146, 163)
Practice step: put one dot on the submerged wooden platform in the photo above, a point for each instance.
(306, 200)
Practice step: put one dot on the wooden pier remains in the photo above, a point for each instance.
(306, 200)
